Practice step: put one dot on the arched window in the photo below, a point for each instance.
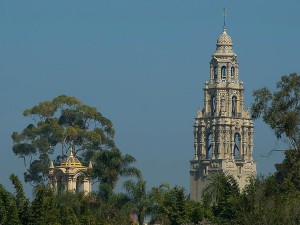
(215, 72)
(213, 105)
(79, 183)
(237, 144)
(232, 72)
(209, 146)
(234, 106)
(223, 72)
(61, 186)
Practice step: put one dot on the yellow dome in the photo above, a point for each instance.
(71, 160)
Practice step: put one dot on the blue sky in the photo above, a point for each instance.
(143, 64)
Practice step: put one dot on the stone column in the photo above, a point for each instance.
(86, 185)
(244, 143)
(196, 147)
(231, 143)
(213, 142)
(202, 142)
(251, 133)
(70, 183)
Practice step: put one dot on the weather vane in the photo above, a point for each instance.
(224, 15)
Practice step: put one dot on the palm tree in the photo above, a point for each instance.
(220, 184)
(139, 198)
(223, 193)
(159, 209)
(110, 165)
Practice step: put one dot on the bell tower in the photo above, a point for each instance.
(223, 129)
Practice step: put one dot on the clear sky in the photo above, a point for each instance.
(143, 64)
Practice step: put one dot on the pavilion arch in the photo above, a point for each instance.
(60, 182)
(79, 178)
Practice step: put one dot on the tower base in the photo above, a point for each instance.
(202, 170)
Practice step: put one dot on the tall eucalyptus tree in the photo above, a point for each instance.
(60, 123)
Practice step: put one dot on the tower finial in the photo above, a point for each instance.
(224, 15)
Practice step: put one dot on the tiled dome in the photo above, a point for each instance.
(224, 45)
(224, 39)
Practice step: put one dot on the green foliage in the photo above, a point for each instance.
(111, 165)
(113, 206)
(76, 208)
(172, 207)
(43, 208)
(139, 199)
(9, 214)
(196, 212)
(176, 206)
(60, 123)
(57, 123)
(22, 203)
(158, 212)
(265, 202)
(14, 208)
(281, 109)
(289, 170)
(222, 192)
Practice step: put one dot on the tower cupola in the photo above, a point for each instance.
(224, 45)
(224, 64)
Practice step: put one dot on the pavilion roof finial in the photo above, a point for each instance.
(72, 148)
(71, 160)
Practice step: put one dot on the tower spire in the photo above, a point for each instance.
(224, 16)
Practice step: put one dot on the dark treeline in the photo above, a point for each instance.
(272, 199)
(104, 207)
(266, 200)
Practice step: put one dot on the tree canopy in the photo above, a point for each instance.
(60, 123)
(280, 109)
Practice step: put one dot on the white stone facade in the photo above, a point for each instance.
(70, 175)
(223, 130)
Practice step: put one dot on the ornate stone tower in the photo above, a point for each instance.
(70, 175)
(223, 130)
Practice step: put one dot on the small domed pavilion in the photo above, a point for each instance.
(70, 175)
